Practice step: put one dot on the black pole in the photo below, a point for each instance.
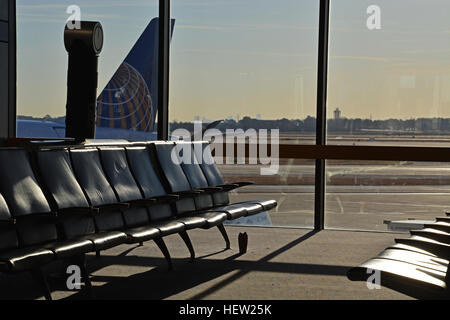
(84, 46)
(163, 69)
(12, 69)
(321, 121)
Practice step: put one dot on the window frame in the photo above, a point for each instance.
(319, 152)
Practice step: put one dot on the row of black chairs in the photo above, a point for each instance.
(417, 266)
(59, 203)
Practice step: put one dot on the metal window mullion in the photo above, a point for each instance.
(12, 69)
(163, 69)
(321, 120)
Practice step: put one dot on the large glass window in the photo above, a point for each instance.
(385, 196)
(252, 64)
(389, 84)
(127, 86)
(292, 187)
(389, 73)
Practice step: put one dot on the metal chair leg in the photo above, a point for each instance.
(41, 280)
(81, 262)
(224, 235)
(162, 246)
(188, 243)
(85, 275)
(447, 278)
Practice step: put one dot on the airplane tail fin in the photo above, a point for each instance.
(130, 99)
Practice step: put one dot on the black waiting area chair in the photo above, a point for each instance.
(62, 202)
(417, 266)
(33, 235)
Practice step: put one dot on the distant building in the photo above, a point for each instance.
(337, 114)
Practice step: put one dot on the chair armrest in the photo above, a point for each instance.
(78, 211)
(212, 189)
(119, 206)
(168, 198)
(235, 185)
(228, 187)
(141, 202)
(188, 193)
(8, 222)
(33, 217)
(244, 183)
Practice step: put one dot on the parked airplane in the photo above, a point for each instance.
(127, 106)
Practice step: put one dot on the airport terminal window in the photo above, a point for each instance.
(253, 64)
(375, 195)
(127, 108)
(388, 85)
(292, 188)
(389, 73)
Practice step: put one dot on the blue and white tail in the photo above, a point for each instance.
(130, 99)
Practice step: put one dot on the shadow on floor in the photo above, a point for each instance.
(159, 283)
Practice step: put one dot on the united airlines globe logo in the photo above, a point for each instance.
(125, 103)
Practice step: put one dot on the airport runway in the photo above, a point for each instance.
(411, 169)
(387, 139)
(366, 208)
(358, 196)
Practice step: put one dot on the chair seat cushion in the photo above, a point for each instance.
(168, 227)
(404, 277)
(141, 234)
(70, 248)
(410, 248)
(232, 212)
(107, 239)
(442, 250)
(192, 222)
(267, 204)
(418, 259)
(433, 234)
(25, 259)
(250, 209)
(213, 219)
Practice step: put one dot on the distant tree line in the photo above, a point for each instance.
(308, 125)
(47, 117)
(341, 125)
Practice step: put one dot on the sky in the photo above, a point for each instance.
(258, 58)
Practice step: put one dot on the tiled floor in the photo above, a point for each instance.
(279, 264)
